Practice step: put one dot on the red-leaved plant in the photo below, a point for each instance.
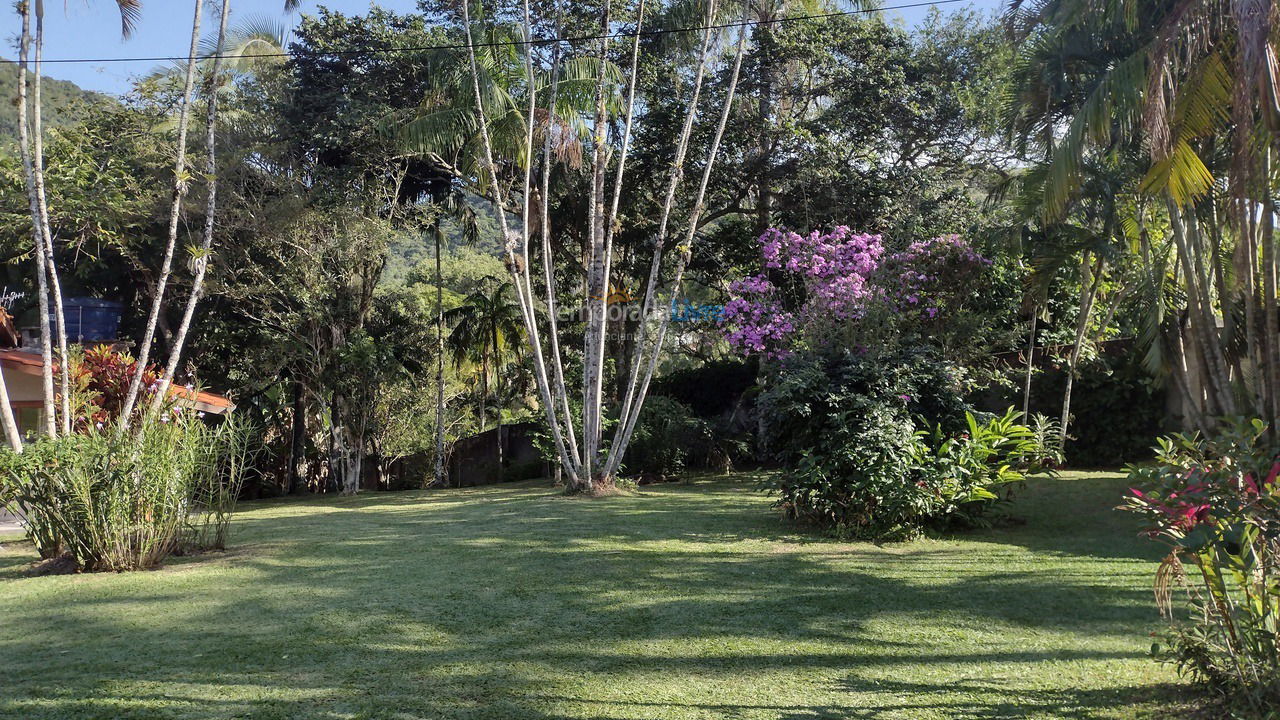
(1216, 502)
(102, 377)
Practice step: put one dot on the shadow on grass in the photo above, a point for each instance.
(515, 602)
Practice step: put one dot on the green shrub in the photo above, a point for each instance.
(858, 465)
(667, 437)
(966, 472)
(123, 503)
(1216, 503)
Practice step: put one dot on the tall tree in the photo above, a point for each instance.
(201, 255)
(31, 148)
(439, 475)
(586, 461)
(486, 328)
(181, 183)
(1192, 89)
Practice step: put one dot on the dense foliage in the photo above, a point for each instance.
(879, 445)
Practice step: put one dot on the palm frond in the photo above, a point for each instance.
(1183, 174)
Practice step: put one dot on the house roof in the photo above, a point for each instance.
(24, 361)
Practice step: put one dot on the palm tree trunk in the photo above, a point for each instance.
(1088, 291)
(518, 275)
(497, 411)
(210, 214)
(55, 285)
(38, 222)
(1031, 352)
(1181, 378)
(1271, 365)
(175, 211)
(439, 475)
(1244, 285)
(1187, 238)
(558, 394)
(484, 387)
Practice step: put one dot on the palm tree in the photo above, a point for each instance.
(438, 235)
(1190, 86)
(241, 47)
(445, 127)
(486, 329)
(181, 183)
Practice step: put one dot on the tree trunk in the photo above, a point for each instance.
(175, 211)
(1186, 237)
(11, 434)
(1270, 368)
(38, 222)
(210, 213)
(597, 280)
(519, 277)
(297, 442)
(1246, 286)
(764, 179)
(626, 424)
(652, 302)
(1031, 352)
(557, 395)
(55, 285)
(1088, 291)
(440, 476)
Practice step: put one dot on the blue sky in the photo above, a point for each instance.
(90, 29)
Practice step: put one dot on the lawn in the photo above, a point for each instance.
(682, 601)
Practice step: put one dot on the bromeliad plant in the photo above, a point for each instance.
(1216, 503)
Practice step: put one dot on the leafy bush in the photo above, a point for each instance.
(667, 437)
(858, 464)
(1216, 502)
(123, 503)
(966, 471)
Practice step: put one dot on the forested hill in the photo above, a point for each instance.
(60, 101)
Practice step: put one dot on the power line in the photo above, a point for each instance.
(506, 43)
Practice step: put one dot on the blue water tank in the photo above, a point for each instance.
(89, 319)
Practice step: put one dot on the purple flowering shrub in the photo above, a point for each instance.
(864, 402)
(930, 276)
(821, 287)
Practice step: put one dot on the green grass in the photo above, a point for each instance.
(678, 602)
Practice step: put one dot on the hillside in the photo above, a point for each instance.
(61, 101)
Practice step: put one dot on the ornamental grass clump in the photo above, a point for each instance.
(126, 502)
(1216, 503)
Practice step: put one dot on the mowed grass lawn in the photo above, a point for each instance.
(682, 601)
